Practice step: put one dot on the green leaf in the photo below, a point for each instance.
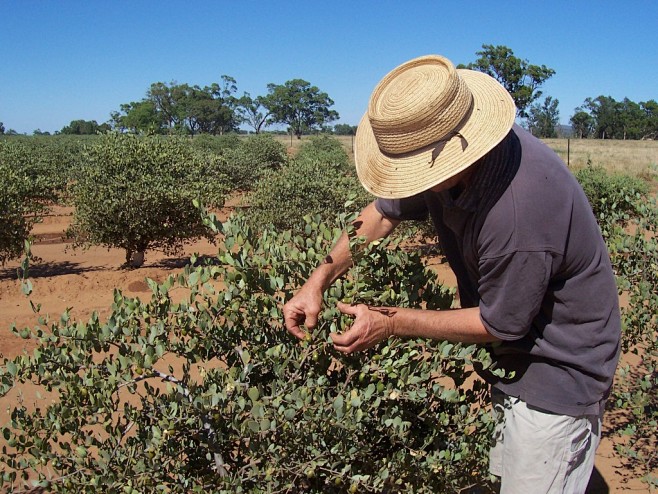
(253, 394)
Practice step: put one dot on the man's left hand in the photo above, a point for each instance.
(372, 325)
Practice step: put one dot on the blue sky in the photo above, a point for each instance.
(62, 60)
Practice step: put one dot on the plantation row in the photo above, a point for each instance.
(200, 388)
(137, 193)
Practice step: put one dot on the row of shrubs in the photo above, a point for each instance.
(137, 193)
(258, 421)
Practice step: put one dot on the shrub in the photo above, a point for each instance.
(326, 149)
(634, 254)
(223, 400)
(247, 163)
(44, 165)
(19, 210)
(614, 197)
(215, 144)
(629, 222)
(137, 193)
(317, 181)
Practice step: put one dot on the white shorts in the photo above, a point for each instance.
(536, 451)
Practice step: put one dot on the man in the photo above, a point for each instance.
(534, 277)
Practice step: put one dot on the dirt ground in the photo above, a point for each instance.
(83, 280)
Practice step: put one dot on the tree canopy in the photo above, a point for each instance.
(182, 109)
(85, 127)
(543, 119)
(252, 112)
(605, 118)
(521, 78)
(302, 106)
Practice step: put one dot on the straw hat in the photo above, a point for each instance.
(426, 122)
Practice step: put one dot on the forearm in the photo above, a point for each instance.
(371, 225)
(458, 325)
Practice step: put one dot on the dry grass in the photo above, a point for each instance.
(625, 156)
(629, 157)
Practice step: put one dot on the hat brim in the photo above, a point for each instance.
(404, 175)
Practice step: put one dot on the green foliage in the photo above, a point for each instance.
(614, 198)
(543, 119)
(582, 124)
(298, 104)
(215, 144)
(324, 148)
(19, 210)
(345, 130)
(34, 172)
(626, 119)
(635, 258)
(317, 181)
(47, 162)
(209, 393)
(181, 109)
(254, 157)
(521, 79)
(629, 222)
(137, 194)
(85, 127)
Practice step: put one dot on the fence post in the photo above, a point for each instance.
(568, 152)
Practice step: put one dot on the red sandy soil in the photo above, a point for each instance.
(84, 280)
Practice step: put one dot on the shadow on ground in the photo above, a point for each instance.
(47, 270)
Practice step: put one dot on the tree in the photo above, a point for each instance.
(650, 109)
(249, 110)
(227, 120)
(543, 119)
(302, 106)
(345, 129)
(2, 128)
(633, 119)
(521, 79)
(164, 99)
(582, 123)
(138, 117)
(624, 119)
(192, 109)
(607, 117)
(85, 127)
(137, 193)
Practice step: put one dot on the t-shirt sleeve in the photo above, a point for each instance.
(409, 208)
(512, 288)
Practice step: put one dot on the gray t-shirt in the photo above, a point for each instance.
(525, 247)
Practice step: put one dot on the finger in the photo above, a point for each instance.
(345, 339)
(311, 320)
(348, 309)
(292, 320)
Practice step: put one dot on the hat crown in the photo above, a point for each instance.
(418, 103)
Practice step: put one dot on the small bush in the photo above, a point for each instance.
(614, 197)
(326, 149)
(317, 181)
(47, 164)
(19, 210)
(137, 194)
(215, 144)
(208, 393)
(247, 163)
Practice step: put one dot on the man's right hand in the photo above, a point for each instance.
(302, 309)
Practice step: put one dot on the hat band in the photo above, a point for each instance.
(445, 120)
